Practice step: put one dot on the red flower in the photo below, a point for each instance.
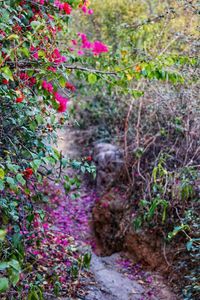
(67, 8)
(19, 99)
(23, 76)
(70, 86)
(20, 96)
(89, 158)
(17, 27)
(5, 81)
(28, 172)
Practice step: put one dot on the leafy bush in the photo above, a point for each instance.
(35, 88)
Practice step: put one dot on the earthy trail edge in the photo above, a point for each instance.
(115, 277)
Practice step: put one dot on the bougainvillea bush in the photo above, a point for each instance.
(38, 53)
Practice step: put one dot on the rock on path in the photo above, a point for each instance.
(113, 285)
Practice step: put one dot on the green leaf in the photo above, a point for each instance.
(92, 78)
(136, 93)
(41, 53)
(83, 169)
(7, 73)
(25, 51)
(10, 180)
(13, 37)
(33, 296)
(87, 259)
(20, 179)
(4, 265)
(39, 119)
(36, 164)
(2, 234)
(1, 185)
(15, 265)
(34, 24)
(4, 284)
(62, 82)
(13, 168)
(189, 245)
(14, 278)
(2, 173)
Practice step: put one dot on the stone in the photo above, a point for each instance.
(110, 164)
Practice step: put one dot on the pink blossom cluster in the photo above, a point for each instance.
(47, 86)
(56, 57)
(42, 2)
(34, 51)
(99, 47)
(29, 80)
(86, 10)
(63, 6)
(96, 47)
(59, 98)
(62, 102)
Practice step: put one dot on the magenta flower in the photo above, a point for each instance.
(99, 47)
(84, 9)
(62, 102)
(90, 11)
(47, 86)
(56, 57)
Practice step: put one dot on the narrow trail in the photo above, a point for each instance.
(114, 277)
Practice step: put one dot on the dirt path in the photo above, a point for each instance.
(115, 277)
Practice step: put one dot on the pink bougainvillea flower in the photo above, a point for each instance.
(80, 53)
(58, 4)
(52, 69)
(35, 55)
(45, 225)
(70, 86)
(63, 106)
(74, 42)
(84, 9)
(30, 81)
(63, 6)
(99, 47)
(56, 57)
(32, 48)
(90, 11)
(67, 8)
(23, 76)
(47, 86)
(62, 102)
